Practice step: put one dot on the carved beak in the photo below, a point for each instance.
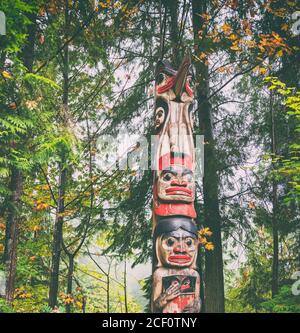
(182, 75)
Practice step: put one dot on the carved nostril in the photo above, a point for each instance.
(179, 183)
(179, 249)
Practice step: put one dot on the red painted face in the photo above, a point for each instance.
(177, 249)
(176, 183)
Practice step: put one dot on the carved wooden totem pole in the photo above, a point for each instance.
(176, 283)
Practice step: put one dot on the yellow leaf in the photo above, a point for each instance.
(235, 48)
(279, 54)
(233, 37)
(79, 304)
(285, 27)
(205, 232)
(6, 75)
(202, 240)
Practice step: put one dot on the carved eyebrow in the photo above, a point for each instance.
(170, 170)
(187, 172)
(175, 172)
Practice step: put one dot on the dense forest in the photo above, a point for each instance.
(75, 75)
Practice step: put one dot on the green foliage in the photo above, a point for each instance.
(283, 302)
(289, 167)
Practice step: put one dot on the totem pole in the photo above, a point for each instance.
(176, 283)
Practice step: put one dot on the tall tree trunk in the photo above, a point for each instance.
(70, 281)
(214, 279)
(16, 184)
(275, 263)
(125, 286)
(59, 220)
(107, 293)
(173, 10)
(57, 237)
(12, 235)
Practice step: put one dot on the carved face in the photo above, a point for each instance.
(174, 85)
(160, 117)
(176, 183)
(177, 248)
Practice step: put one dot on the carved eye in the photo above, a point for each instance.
(160, 112)
(170, 241)
(188, 177)
(189, 242)
(161, 77)
(167, 177)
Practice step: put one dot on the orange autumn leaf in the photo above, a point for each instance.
(202, 240)
(37, 228)
(262, 70)
(251, 205)
(205, 232)
(209, 246)
(12, 105)
(226, 28)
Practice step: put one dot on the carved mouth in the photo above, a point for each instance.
(180, 259)
(179, 191)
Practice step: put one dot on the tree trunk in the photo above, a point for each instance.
(125, 286)
(16, 184)
(57, 238)
(107, 293)
(275, 263)
(172, 8)
(59, 220)
(70, 281)
(214, 279)
(12, 235)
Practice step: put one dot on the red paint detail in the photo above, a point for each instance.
(180, 184)
(169, 159)
(183, 287)
(189, 90)
(178, 304)
(179, 259)
(174, 190)
(172, 209)
(168, 209)
(169, 84)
